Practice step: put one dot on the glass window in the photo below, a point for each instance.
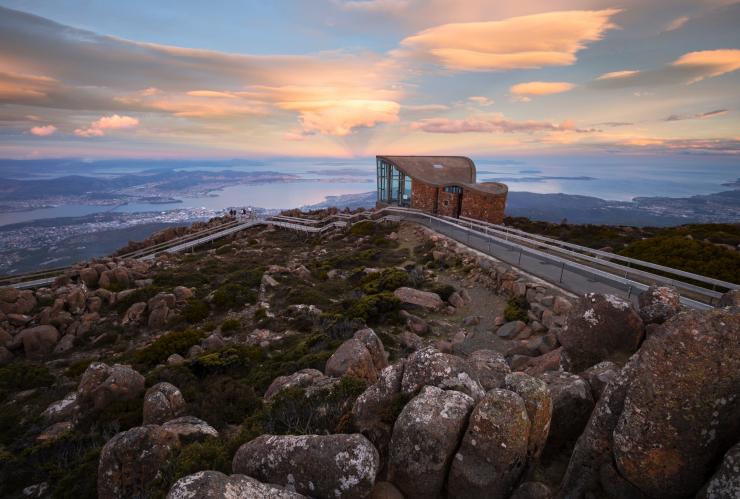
(395, 184)
(406, 197)
(453, 189)
(382, 167)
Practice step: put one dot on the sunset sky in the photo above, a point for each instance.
(359, 77)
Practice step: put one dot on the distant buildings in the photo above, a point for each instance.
(444, 185)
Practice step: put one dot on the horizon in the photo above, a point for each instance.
(351, 79)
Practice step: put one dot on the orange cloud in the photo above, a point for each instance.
(709, 63)
(523, 91)
(617, 74)
(549, 39)
(494, 123)
(481, 100)
(43, 131)
(100, 127)
(341, 117)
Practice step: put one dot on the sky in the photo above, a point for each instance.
(355, 78)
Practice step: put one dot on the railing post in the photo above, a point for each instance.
(520, 257)
(562, 269)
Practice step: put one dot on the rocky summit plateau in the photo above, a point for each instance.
(381, 361)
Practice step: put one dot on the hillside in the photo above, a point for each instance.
(384, 361)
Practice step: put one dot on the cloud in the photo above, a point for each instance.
(523, 91)
(548, 39)
(100, 127)
(687, 69)
(423, 108)
(677, 23)
(481, 100)
(393, 6)
(43, 131)
(495, 123)
(697, 116)
(211, 93)
(342, 117)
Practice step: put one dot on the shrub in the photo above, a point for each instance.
(164, 346)
(76, 369)
(387, 280)
(443, 290)
(22, 375)
(338, 326)
(230, 325)
(232, 295)
(516, 310)
(260, 314)
(136, 296)
(376, 309)
(364, 228)
(195, 310)
(303, 295)
(233, 400)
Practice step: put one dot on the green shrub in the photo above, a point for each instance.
(224, 400)
(231, 325)
(76, 368)
(443, 290)
(516, 310)
(304, 295)
(232, 295)
(22, 375)
(136, 296)
(195, 311)
(387, 280)
(364, 228)
(164, 346)
(376, 309)
(260, 314)
(338, 326)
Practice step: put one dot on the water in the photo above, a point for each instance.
(620, 178)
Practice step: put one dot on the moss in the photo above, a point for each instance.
(22, 375)
(387, 280)
(231, 325)
(76, 368)
(516, 310)
(164, 346)
(195, 311)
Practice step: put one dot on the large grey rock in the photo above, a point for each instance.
(190, 429)
(658, 304)
(429, 367)
(600, 327)
(490, 368)
(416, 297)
(102, 384)
(352, 358)
(572, 404)
(299, 379)
(425, 438)
(599, 376)
(730, 299)
(371, 341)
(163, 402)
(725, 483)
(38, 342)
(510, 329)
(682, 405)
(322, 466)
(216, 485)
(132, 459)
(538, 402)
(493, 453)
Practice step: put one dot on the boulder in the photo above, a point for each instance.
(456, 300)
(38, 342)
(299, 379)
(9, 295)
(213, 343)
(373, 412)
(385, 490)
(61, 409)
(216, 485)
(410, 341)
(352, 358)
(490, 368)
(538, 403)
(532, 490)
(561, 306)
(89, 276)
(5, 337)
(682, 406)
(416, 324)
(6, 357)
(65, 344)
(599, 376)
(658, 304)
(510, 329)
(416, 297)
(102, 384)
(132, 459)
(493, 452)
(425, 438)
(600, 327)
(134, 314)
(182, 294)
(76, 301)
(572, 404)
(371, 341)
(162, 402)
(175, 360)
(429, 367)
(190, 429)
(159, 316)
(725, 483)
(730, 299)
(551, 361)
(322, 466)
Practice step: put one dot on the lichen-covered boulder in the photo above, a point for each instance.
(38, 342)
(321, 466)
(493, 452)
(190, 429)
(532, 490)
(425, 438)
(599, 376)
(216, 485)
(371, 341)
(89, 276)
(490, 368)
(730, 299)
(725, 483)
(299, 379)
(572, 404)
(682, 405)
(132, 459)
(134, 314)
(352, 358)
(429, 367)
(510, 329)
(163, 402)
(658, 304)
(600, 327)
(102, 384)
(538, 402)
(374, 411)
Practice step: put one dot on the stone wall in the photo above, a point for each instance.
(423, 196)
(486, 207)
(447, 203)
